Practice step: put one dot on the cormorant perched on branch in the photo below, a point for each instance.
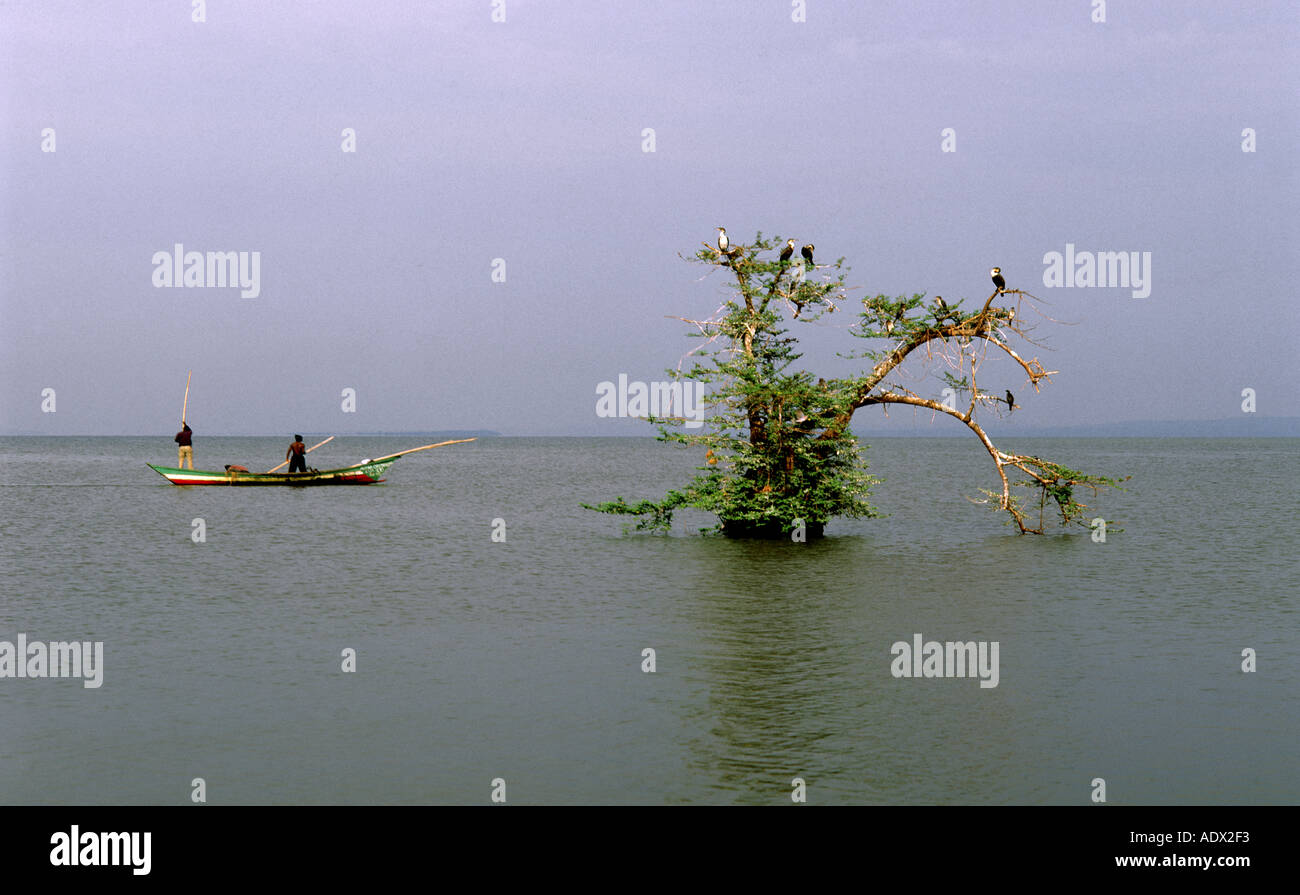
(889, 327)
(787, 251)
(998, 281)
(723, 242)
(807, 254)
(942, 308)
(1011, 401)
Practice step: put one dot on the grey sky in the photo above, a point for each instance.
(522, 140)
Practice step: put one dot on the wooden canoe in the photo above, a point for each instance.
(366, 472)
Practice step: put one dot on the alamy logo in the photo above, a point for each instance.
(76, 849)
(951, 659)
(198, 270)
(658, 399)
(73, 658)
(1103, 270)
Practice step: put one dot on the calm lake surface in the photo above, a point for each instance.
(522, 660)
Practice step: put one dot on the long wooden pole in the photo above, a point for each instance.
(186, 405)
(425, 448)
(308, 451)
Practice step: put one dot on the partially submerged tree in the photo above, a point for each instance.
(780, 453)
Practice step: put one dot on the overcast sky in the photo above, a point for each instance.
(522, 140)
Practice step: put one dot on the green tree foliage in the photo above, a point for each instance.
(779, 450)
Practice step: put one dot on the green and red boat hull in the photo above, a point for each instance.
(368, 472)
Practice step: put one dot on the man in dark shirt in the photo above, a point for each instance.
(186, 451)
(297, 455)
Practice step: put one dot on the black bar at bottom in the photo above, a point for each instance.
(640, 845)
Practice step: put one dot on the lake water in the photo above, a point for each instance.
(522, 660)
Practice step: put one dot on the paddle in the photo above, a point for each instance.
(425, 448)
(186, 406)
(308, 451)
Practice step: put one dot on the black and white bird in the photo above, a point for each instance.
(941, 308)
(889, 326)
(998, 281)
(807, 254)
(723, 242)
(1011, 401)
(787, 251)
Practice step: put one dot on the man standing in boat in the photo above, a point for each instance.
(297, 455)
(186, 451)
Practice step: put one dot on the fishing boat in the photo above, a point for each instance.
(367, 472)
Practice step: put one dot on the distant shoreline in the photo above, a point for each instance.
(1275, 428)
